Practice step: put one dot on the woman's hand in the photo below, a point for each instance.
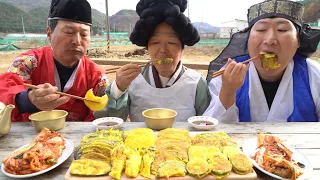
(232, 79)
(126, 74)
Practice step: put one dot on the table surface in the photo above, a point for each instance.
(305, 137)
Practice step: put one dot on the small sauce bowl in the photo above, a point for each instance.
(203, 122)
(108, 123)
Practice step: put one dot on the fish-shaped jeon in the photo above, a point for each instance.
(89, 167)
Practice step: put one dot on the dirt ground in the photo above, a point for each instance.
(191, 54)
(203, 54)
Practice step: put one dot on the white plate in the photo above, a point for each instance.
(249, 148)
(117, 120)
(65, 155)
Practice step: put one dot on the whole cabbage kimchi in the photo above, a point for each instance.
(42, 153)
(273, 156)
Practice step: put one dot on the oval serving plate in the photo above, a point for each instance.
(249, 148)
(64, 156)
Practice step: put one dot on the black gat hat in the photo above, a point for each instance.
(72, 10)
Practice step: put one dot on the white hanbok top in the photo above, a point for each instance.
(282, 106)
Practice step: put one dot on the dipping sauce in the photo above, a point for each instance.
(107, 124)
(203, 123)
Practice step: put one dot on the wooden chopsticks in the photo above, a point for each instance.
(113, 70)
(218, 73)
(61, 93)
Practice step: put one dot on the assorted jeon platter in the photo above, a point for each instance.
(170, 153)
(144, 154)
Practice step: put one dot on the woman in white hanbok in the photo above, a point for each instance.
(250, 93)
(164, 30)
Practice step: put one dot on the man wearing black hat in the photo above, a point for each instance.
(289, 93)
(61, 67)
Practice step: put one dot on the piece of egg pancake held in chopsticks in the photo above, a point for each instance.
(94, 106)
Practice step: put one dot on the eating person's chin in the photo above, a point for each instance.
(271, 73)
(76, 57)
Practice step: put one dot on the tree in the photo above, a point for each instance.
(312, 12)
(307, 2)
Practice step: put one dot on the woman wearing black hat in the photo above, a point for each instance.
(289, 93)
(164, 30)
(62, 66)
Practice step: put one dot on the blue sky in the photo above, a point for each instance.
(211, 11)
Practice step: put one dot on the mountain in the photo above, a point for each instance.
(98, 22)
(203, 27)
(35, 14)
(312, 12)
(11, 19)
(27, 5)
(123, 20)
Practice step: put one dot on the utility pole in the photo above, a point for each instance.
(188, 10)
(108, 26)
(24, 33)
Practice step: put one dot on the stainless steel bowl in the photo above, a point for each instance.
(53, 120)
(159, 118)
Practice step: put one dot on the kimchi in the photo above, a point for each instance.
(42, 153)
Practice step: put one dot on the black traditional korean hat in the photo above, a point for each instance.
(72, 10)
(154, 12)
(293, 11)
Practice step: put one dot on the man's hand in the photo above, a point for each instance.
(126, 74)
(232, 79)
(45, 98)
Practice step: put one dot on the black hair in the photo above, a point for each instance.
(154, 12)
(52, 24)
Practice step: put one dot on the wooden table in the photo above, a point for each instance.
(305, 137)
